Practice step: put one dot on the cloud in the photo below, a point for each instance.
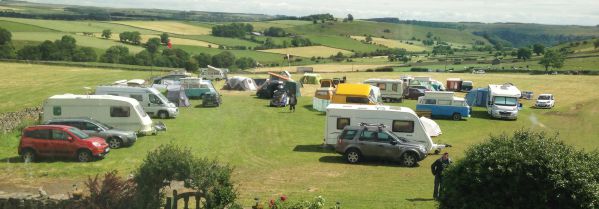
(581, 12)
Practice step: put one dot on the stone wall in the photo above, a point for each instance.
(28, 201)
(11, 120)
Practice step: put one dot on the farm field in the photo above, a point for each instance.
(261, 26)
(221, 40)
(343, 42)
(261, 57)
(309, 51)
(393, 43)
(280, 153)
(324, 68)
(76, 26)
(167, 26)
(174, 40)
(81, 40)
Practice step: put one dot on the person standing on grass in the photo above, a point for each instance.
(437, 168)
(292, 103)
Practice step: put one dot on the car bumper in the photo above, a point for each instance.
(174, 113)
(542, 105)
(505, 115)
(102, 153)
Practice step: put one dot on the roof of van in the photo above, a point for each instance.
(353, 89)
(504, 90)
(93, 97)
(371, 108)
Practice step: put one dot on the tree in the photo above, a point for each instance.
(538, 49)
(275, 32)
(66, 46)
(368, 39)
(203, 59)
(29, 53)
(49, 51)
(144, 58)
(107, 33)
(236, 30)
(152, 45)
(85, 54)
(115, 54)
(164, 38)
(596, 43)
(524, 170)
(5, 36)
(224, 59)
(245, 63)
(429, 34)
(191, 65)
(350, 17)
(524, 53)
(314, 21)
(7, 51)
(552, 59)
(135, 38)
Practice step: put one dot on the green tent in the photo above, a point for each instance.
(310, 78)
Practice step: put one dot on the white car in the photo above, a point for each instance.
(545, 101)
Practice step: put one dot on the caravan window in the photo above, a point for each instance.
(137, 97)
(403, 126)
(394, 87)
(120, 111)
(57, 110)
(356, 100)
(430, 101)
(342, 122)
(444, 102)
(382, 86)
(154, 99)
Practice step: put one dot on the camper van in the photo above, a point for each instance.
(391, 89)
(503, 101)
(120, 112)
(443, 104)
(153, 102)
(212, 73)
(402, 121)
(196, 87)
(356, 94)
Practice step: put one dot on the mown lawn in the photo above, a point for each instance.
(275, 152)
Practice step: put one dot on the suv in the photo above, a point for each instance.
(356, 142)
(60, 141)
(116, 138)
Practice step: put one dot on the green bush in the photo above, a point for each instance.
(526, 170)
(419, 69)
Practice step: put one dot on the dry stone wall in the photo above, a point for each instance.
(28, 201)
(11, 120)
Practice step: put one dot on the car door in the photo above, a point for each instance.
(61, 145)
(384, 147)
(367, 143)
(41, 141)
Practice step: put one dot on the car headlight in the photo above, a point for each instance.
(96, 144)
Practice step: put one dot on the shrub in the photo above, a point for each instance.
(112, 192)
(526, 170)
(384, 69)
(419, 69)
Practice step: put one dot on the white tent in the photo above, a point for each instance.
(240, 83)
(431, 127)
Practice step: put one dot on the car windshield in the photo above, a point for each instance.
(544, 97)
(506, 101)
(78, 133)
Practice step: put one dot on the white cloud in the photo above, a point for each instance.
(581, 12)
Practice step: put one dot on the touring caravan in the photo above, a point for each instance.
(403, 122)
(391, 89)
(153, 102)
(443, 104)
(120, 112)
(356, 94)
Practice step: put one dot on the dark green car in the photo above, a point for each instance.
(211, 99)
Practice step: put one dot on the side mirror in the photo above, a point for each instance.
(98, 129)
(393, 142)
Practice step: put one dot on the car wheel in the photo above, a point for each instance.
(353, 156)
(456, 116)
(28, 155)
(409, 159)
(162, 115)
(84, 156)
(115, 143)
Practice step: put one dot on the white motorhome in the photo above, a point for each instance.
(213, 73)
(153, 102)
(403, 122)
(121, 112)
(503, 101)
(391, 89)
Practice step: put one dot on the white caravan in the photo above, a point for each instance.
(213, 73)
(121, 112)
(391, 89)
(403, 122)
(153, 102)
(503, 101)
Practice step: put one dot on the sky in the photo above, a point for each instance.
(562, 12)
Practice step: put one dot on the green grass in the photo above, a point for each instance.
(261, 26)
(262, 57)
(276, 40)
(343, 42)
(77, 26)
(81, 40)
(20, 27)
(222, 40)
(275, 152)
(396, 31)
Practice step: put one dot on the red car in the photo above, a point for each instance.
(60, 141)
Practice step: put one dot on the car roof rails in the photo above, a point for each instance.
(380, 125)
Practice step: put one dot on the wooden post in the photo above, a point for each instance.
(197, 195)
(175, 199)
(186, 200)
(168, 203)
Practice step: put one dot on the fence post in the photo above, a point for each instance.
(168, 203)
(175, 199)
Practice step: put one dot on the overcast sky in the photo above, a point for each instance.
(577, 12)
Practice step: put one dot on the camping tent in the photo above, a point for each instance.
(310, 78)
(431, 127)
(176, 95)
(240, 83)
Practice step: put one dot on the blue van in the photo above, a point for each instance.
(443, 104)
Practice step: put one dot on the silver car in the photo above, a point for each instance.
(114, 137)
(370, 141)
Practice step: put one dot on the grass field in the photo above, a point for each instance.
(324, 68)
(279, 152)
(392, 43)
(343, 42)
(222, 40)
(309, 51)
(168, 26)
(261, 57)
(88, 41)
(261, 26)
(174, 40)
(9, 8)
(20, 27)
(77, 26)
